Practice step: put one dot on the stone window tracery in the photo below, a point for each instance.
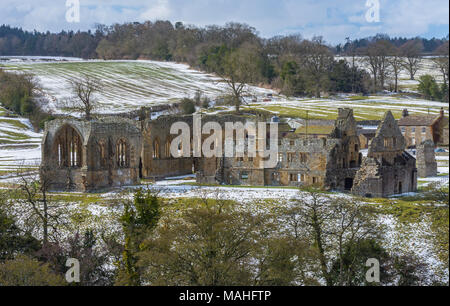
(168, 155)
(156, 151)
(122, 153)
(68, 148)
(102, 153)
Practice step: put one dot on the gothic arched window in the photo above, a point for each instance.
(102, 153)
(167, 149)
(156, 150)
(68, 147)
(122, 153)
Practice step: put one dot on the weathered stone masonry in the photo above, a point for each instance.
(388, 169)
(92, 155)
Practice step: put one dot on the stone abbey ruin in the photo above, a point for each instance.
(93, 155)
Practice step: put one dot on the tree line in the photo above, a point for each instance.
(15, 41)
(315, 239)
(294, 65)
(20, 94)
(385, 61)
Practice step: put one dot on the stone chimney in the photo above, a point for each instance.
(405, 113)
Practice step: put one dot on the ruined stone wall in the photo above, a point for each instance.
(164, 165)
(376, 180)
(117, 152)
(327, 162)
(368, 180)
(426, 159)
(388, 142)
(445, 136)
(157, 161)
(301, 161)
(388, 169)
(103, 164)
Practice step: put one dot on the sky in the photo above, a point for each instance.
(333, 19)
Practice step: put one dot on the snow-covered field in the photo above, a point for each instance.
(365, 108)
(19, 145)
(132, 84)
(129, 85)
(427, 66)
(126, 84)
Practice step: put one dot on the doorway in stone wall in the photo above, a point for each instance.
(400, 188)
(140, 168)
(348, 184)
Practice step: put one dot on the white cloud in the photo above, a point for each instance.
(159, 10)
(414, 17)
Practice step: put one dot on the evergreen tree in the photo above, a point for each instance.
(138, 220)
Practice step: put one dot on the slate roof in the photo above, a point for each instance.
(418, 120)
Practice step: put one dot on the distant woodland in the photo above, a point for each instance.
(294, 65)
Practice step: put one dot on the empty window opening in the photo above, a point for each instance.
(102, 154)
(122, 156)
(348, 184)
(280, 157)
(167, 153)
(275, 177)
(303, 158)
(156, 151)
(290, 157)
(68, 148)
(293, 177)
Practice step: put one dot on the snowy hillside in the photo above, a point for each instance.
(127, 84)
(133, 84)
(19, 145)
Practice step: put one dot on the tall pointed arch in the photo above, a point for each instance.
(68, 147)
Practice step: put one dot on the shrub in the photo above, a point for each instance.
(187, 106)
(430, 89)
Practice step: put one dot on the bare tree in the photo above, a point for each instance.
(396, 62)
(353, 225)
(311, 214)
(331, 224)
(237, 70)
(441, 61)
(411, 52)
(376, 58)
(83, 100)
(353, 53)
(39, 210)
(317, 60)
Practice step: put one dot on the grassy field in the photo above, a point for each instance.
(132, 84)
(129, 85)
(19, 145)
